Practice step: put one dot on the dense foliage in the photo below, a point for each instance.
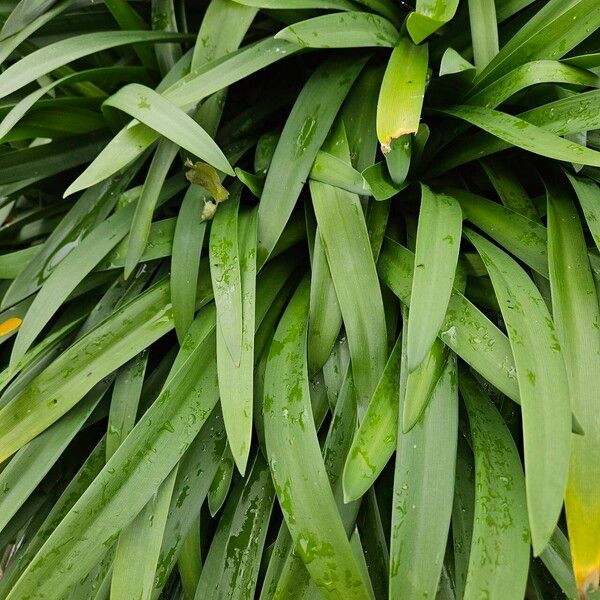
(299, 299)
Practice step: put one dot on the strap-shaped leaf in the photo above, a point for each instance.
(402, 92)
(525, 135)
(296, 4)
(466, 330)
(484, 31)
(421, 383)
(576, 314)
(302, 487)
(588, 194)
(158, 113)
(131, 577)
(134, 139)
(185, 258)
(375, 440)
(236, 376)
(543, 388)
(428, 17)
(221, 483)
(126, 484)
(531, 73)
(301, 139)
(436, 256)
(551, 32)
(46, 59)
(521, 236)
(341, 30)
(500, 528)
(325, 317)
(573, 114)
(139, 324)
(25, 471)
(423, 489)
(343, 231)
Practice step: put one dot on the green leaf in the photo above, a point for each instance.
(463, 513)
(341, 30)
(134, 139)
(381, 184)
(576, 314)
(344, 235)
(185, 258)
(189, 562)
(525, 135)
(131, 577)
(527, 75)
(588, 195)
(375, 440)
(551, 32)
(55, 55)
(220, 485)
(484, 31)
(301, 139)
(23, 13)
(13, 263)
(402, 92)
(572, 114)
(238, 567)
(453, 63)
(72, 492)
(124, 402)
(557, 559)
(330, 169)
(325, 317)
(158, 113)
(428, 17)
(144, 208)
(512, 193)
(302, 487)
(523, 237)
(197, 468)
(423, 489)
(233, 271)
(27, 468)
(398, 158)
(131, 476)
(10, 43)
(436, 256)
(67, 275)
(500, 528)
(225, 275)
(26, 166)
(90, 209)
(86, 362)
(466, 330)
(103, 74)
(299, 4)
(543, 388)
(421, 383)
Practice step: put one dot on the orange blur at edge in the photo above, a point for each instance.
(10, 325)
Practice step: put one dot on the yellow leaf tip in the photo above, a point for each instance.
(587, 579)
(386, 144)
(10, 325)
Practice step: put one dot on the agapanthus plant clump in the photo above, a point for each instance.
(299, 299)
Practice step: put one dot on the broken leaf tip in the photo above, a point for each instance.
(386, 145)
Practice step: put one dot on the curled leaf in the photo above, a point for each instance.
(201, 173)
